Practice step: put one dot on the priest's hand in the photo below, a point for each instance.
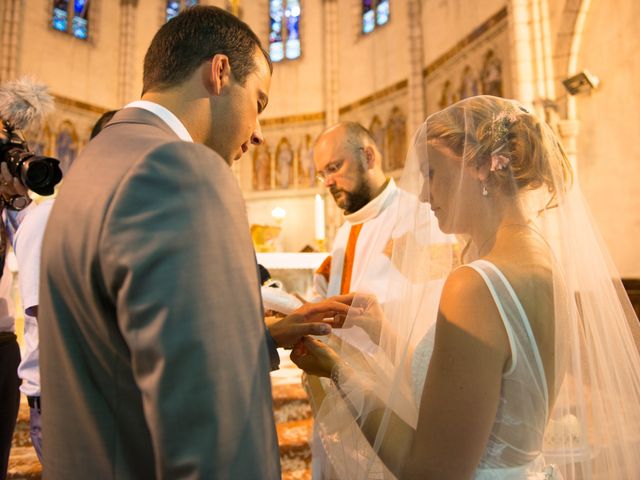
(309, 319)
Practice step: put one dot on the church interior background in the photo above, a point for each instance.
(384, 63)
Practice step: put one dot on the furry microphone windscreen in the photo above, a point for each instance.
(24, 103)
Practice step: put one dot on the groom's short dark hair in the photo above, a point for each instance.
(198, 34)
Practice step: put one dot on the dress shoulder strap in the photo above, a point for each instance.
(513, 315)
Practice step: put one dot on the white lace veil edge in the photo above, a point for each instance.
(593, 427)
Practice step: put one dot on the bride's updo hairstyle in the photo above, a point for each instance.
(499, 137)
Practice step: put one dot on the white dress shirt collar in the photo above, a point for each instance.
(169, 118)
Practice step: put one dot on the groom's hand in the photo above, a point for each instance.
(309, 319)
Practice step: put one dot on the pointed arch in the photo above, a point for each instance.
(284, 163)
(491, 75)
(468, 83)
(305, 166)
(396, 139)
(377, 130)
(66, 144)
(262, 167)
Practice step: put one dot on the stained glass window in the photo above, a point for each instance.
(284, 30)
(60, 18)
(174, 7)
(374, 13)
(71, 17)
(382, 12)
(80, 18)
(276, 45)
(292, 14)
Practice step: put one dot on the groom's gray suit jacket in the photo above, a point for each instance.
(153, 352)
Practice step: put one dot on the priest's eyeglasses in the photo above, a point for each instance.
(330, 170)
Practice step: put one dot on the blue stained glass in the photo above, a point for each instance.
(59, 19)
(190, 3)
(368, 22)
(276, 51)
(276, 14)
(79, 27)
(173, 8)
(80, 22)
(293, 48)
(292, 13)
(382, 12)
(80, 7)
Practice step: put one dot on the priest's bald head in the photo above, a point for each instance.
(349, 163)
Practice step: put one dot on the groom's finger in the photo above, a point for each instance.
(315, 328)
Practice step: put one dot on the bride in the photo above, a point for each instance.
(518, 364)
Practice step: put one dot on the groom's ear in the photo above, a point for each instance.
(217, 74)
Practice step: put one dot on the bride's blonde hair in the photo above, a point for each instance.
(484, 130)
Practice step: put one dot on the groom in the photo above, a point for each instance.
(155, 358)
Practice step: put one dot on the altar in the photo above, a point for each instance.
(294, 270)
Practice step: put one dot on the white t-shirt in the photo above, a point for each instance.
(7, 321)
(28, 247)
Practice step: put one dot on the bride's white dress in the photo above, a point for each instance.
(514, 447)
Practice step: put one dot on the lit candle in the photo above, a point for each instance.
(319, 217)
(278, 214)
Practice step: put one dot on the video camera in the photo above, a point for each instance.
(24, 104)
(36, 172)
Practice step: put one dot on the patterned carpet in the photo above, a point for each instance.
(291, 412)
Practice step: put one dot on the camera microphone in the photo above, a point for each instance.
(24, 103)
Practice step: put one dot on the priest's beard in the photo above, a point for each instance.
(353, 201)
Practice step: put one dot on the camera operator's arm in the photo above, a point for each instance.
(27, 245)
(25, 229)
(10, 187)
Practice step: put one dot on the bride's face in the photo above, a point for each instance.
(452, 191)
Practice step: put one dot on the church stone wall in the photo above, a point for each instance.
(297, 85)
(369, 63)
(77, 69)
(608, 140)
(446, 22)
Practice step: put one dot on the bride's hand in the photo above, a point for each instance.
(366, 313)
(314, 357)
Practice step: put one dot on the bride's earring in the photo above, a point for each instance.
(485, 192)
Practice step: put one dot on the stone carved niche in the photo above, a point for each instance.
(41, 141)
(448, 96)
(306, 168)
(284, 164)
(378, 133)
(488, 82)
(262, 167)
(396, 139)
(66, 144)
(468, 84)
(491, 75)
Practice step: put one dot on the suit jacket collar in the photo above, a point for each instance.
(142, 117)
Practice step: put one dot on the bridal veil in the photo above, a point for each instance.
(582, 419)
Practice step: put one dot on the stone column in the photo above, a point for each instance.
(522, 58)
(331, 64)
(10, 12)
(416, 58)
(126, 50)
